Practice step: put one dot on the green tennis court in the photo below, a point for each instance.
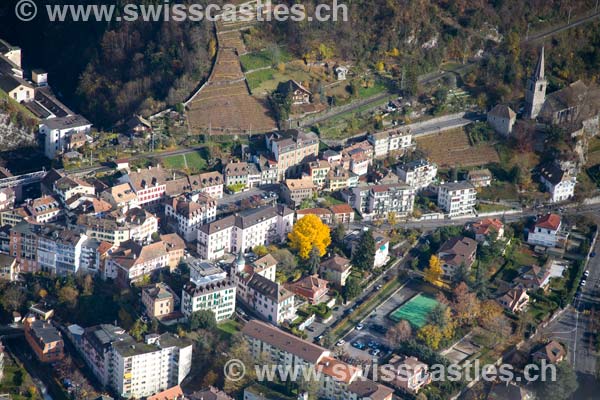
(415, 310)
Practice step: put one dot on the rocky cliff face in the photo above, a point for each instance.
(12, 136)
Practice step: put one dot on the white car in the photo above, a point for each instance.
(586, 273)
(340, 342)
(583, 283)
(359, 327)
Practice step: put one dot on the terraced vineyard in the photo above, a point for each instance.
(452, 148)
(224, 105)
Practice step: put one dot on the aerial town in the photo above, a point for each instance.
(298, 205)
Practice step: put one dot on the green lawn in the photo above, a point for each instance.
(15, 380)
(262, 59)
(229, 328)
(499, 191)
(257, 78)
(485, 208)
(377, 88)
(349, 123)
(194, 161)
(266, 80)
(524, 256)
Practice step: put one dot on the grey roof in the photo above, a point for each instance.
(283, 341)
(411, 166)
(195, 290)
(502, 111)
(210, 393)
(539, 68)
(460, 185)
(73, 121)
(45, 332)
(9, 82)
(246, 218)
(552, 173)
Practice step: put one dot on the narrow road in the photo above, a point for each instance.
(545, 34)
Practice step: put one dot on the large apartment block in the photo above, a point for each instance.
(292, 148)
(377, 201)
(134, 369)
(457, 198)
(188, 214)
(417, 174)
(216, 296)
(387, 142)
(339, 381)
(244, 231)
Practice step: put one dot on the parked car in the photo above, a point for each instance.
(373, 344)
(379, 287)
(593, 254)
(583, 282)
(340, 342)
(318, 338)
(378, 328)
(359, 327)
(358, 345)
(374, 352)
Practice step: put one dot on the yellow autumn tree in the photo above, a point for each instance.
(434, 272)
(380, 66)
(430, 335)
(212, 47)
(309, 232)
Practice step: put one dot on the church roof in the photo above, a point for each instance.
(539, 68)
(502, 111)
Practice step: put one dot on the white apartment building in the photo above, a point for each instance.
(384, 199)
(58, 131)
(67, 187)
(189, 214)
(215, 296)
(210, 183)
(417, 174)
(389, 141)
(244, 231)
(59, 250)
(132, 261)
(559, 184)
(377, 201)
(457, 198)
(137, 224)
(43, 210)
(257, 289)
(133, 369)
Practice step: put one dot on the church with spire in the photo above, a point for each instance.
(535, 96)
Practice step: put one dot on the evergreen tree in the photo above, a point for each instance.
(352, 288)
(364, 254)
(314, 261)
(338, 235)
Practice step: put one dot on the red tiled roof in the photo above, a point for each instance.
(549, 221)
(341, 209)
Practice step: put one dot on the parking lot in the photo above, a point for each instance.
(374, 327)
